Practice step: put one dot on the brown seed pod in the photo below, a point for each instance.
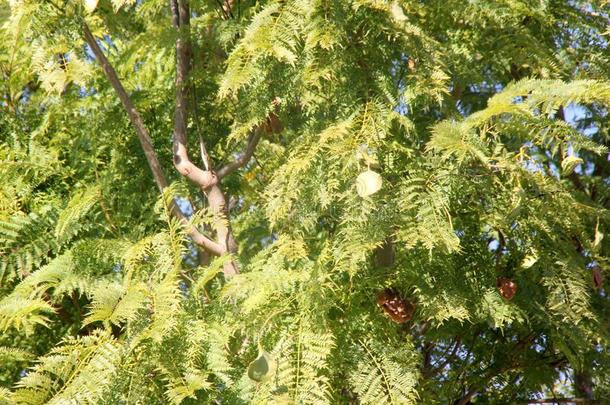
(397, 308)
(273, 125)
(507, 287)
(411, 64)
(598, 279)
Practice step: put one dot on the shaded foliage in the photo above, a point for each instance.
(486, 120)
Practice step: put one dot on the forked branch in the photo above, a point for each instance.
(206, 179)
(146, 142)
(245, 156)
(203, 178)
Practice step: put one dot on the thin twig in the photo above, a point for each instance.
(560, 401)
(243, 157)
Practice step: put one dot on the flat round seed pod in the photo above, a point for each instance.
(91, 5)
(368, 183)
(261, 368)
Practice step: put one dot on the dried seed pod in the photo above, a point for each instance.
(273, 125)
(411, 64)
(598, 279)
(397, 308)
(507, 287)
(368, 183)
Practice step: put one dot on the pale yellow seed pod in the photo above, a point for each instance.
(368, 183)
(91, 5)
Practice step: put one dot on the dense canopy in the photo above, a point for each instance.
(304, 201)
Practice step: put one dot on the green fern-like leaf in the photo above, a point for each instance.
(382, 378)
(24, 313)
(68, 221)
(186, 386)
(77, 372)
(113, 303)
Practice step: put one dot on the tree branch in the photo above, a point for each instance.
(559, 401)
(244, 157)
(134, 116)
(146, 142)
(466, 398)
(203, 178)
(490, 372)
(447, 359)
(202, 240)
(206, 179)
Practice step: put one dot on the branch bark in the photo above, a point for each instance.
(466, 398)
(583, 385)
(207, 180)
(492, 371)
(181, 21)
(245, 156)
(146, 142)
(560, 401)
(134, 116)
(447, 358)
